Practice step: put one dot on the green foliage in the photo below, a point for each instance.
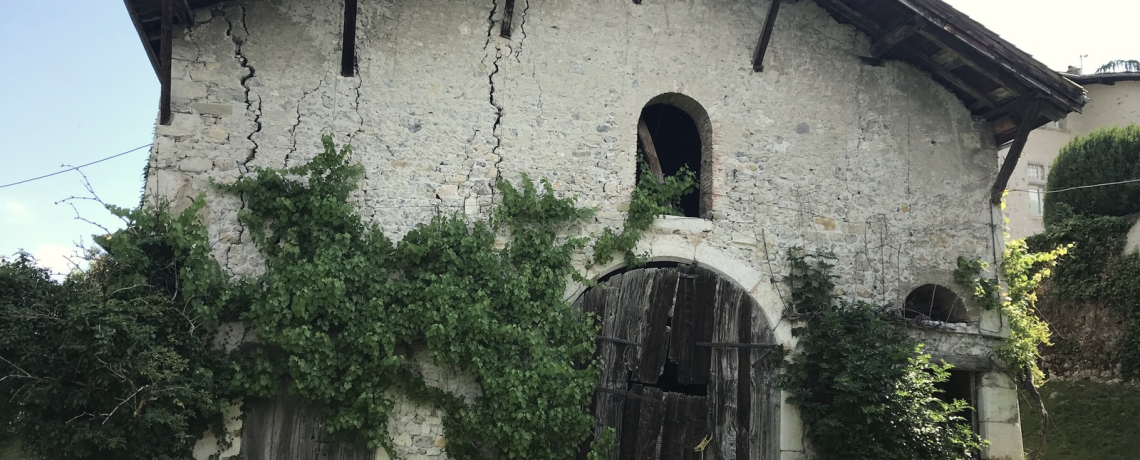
(1097, 271)
(117, 362)
(857, 404)
(1023, 272)
(650, 199)
(1104, 156)
(970, 273)
(339, 308)
(1087, 420)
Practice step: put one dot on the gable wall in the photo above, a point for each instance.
(879, 164)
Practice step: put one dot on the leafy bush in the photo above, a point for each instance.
(117, 362)
(857, 404)
(1104, 156)
(1097, 271)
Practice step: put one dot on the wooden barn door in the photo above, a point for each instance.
(285, 428)
(683, 372)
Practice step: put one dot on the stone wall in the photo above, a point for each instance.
(881, 165)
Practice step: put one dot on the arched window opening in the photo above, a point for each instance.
(936, 303)
(673, 133)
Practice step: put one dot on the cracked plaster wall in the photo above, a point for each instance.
(881, 165)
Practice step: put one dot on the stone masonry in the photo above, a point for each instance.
(881, 165)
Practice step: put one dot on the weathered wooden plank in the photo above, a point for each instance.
(164, 76)
(896, 36)
(764, 426)
(723, 388)
(633, 300)
(649, 426)
(656, 346)
(650, 150)
(744, 379)
(697, 417)
(284, 427)
(704, 318)
(673, 431)
(630, 431)
(765, 36)
(608, 408)
(591, 304)
(681, 341)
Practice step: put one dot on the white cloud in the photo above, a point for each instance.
(15, 212)
(58, 259)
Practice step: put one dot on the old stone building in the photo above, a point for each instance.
(868, 128)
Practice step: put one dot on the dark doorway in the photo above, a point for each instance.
(962, 385)
(678, 143)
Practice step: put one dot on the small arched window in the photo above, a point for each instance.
(936, 303)
(674, 132)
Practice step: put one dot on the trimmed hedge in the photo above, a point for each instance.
(1103, 156)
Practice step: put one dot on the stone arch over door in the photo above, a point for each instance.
(682, 360)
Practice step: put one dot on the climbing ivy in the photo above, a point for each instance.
(650, 199)
(1097, 270)
(861, 404)
(117, 361)
(340, 309)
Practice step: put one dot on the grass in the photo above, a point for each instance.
(1088, 421)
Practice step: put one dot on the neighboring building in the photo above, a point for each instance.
(1114, 100)
(868, 128)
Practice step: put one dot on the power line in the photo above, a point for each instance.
(76, 167)
(1079, 187)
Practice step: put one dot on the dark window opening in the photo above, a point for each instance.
(962, 385)
(678, 143)
(935, 303)
(668, 382)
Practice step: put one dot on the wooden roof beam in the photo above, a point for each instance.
(893, 38)
(1009, 107)
(142, 37)
(955, 50)
(1024, 126)
(164, 116)
(765, 37)
(850, 15)
(946, 74)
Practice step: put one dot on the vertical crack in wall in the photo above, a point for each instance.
(491, 81)
(297, 123)
(522, 31)
(244, 63)
(356, 103)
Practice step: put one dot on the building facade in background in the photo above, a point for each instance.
(1114, 100)
(869, 129)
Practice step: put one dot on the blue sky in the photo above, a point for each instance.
(77, 87)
